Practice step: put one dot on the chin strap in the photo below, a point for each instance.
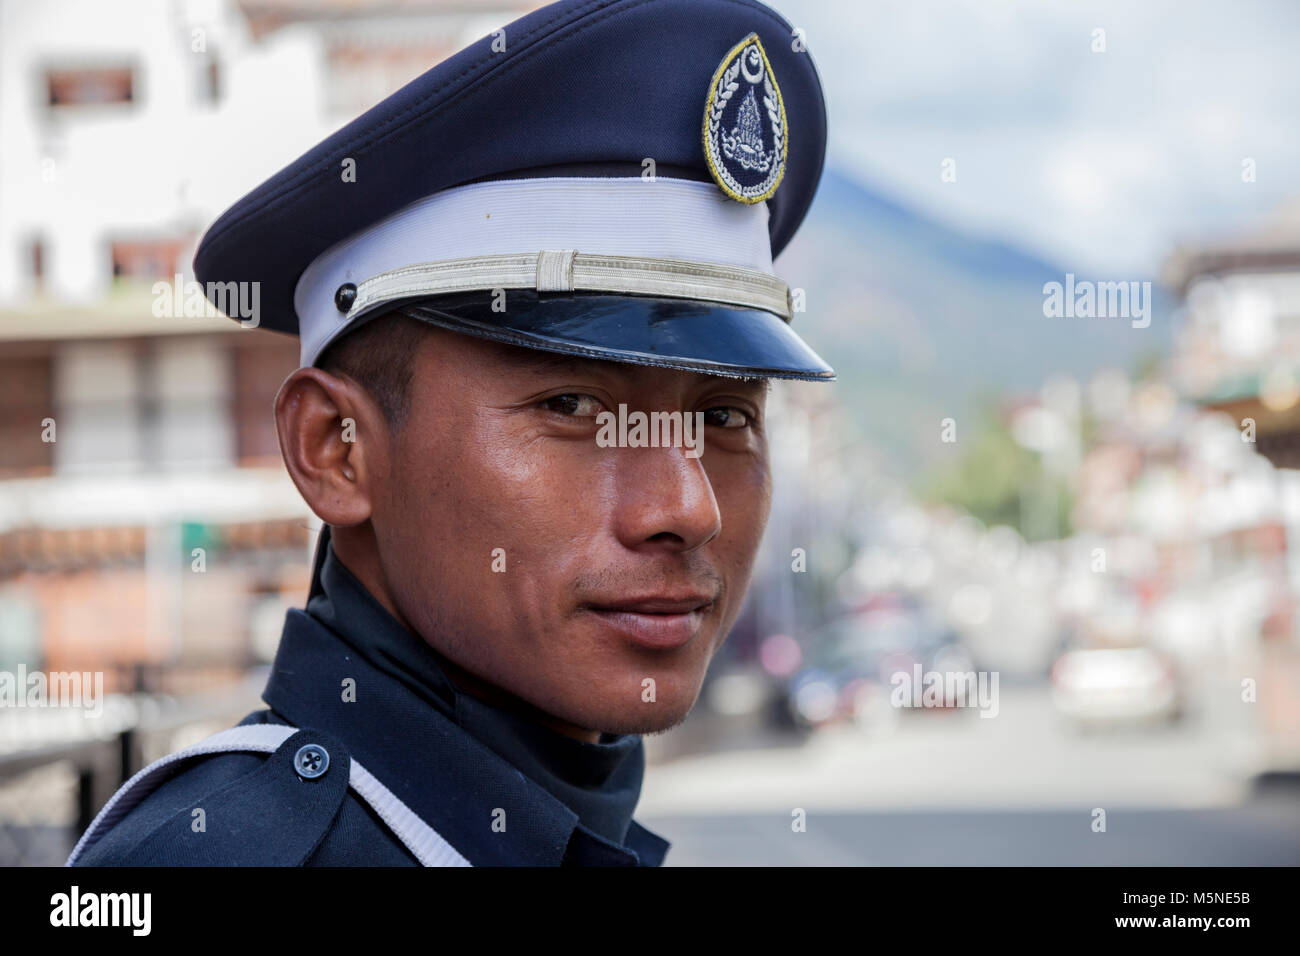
(322, 547)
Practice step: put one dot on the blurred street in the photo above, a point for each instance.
(950, 788)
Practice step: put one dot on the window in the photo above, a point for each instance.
(97, 394)
(37, 261)
(124, 405)
(26, 396)
(94, 86)
(210, 82)
(188, 412)
(262, 360)
(147, 258)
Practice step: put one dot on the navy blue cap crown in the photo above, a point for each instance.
(580, 87)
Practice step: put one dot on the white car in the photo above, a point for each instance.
(1110, 686)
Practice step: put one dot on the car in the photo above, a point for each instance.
(851, 663)
(1114, 686)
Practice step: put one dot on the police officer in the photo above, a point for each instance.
(537, 312)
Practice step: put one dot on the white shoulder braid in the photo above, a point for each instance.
(424, 843)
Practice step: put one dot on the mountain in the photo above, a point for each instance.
(921, 320)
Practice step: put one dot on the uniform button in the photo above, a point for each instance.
(311, 761)
(345, 296)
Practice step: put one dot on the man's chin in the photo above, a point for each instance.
(644, 723)
(651, 717)
(647, 709)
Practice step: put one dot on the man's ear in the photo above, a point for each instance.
(332, 440)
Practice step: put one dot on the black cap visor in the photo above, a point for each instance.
(684, 334)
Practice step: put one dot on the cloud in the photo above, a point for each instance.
(1101, 161)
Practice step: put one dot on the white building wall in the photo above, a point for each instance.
(163, 166)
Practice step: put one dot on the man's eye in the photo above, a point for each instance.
(724, 416)
(578, 406)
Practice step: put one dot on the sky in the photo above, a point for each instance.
(1100, 162)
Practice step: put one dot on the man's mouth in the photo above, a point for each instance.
(657, 622)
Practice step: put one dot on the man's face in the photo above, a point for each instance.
(595, 583)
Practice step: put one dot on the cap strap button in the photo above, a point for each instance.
(345, 296)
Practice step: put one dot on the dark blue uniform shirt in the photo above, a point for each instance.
(457, 762)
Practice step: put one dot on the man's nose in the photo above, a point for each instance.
(665, 501)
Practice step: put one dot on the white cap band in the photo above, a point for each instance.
(669, 219)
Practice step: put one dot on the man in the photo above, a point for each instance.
(537, 311)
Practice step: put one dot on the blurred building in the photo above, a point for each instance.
(1189, 491)
(146, 521)
(1239, 349)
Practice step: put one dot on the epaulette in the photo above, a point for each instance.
(275, 815)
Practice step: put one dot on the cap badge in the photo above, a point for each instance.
(744, 124)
